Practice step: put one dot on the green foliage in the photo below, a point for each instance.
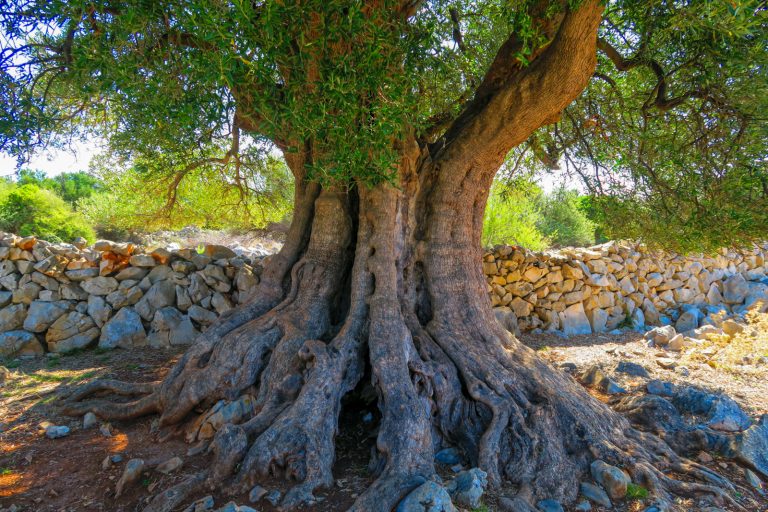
(636, 492)
(133, 202)
(671, 147)
(512, 215)
(682, 164)
(70, 186)
(29, 210)
(518, 212)
(563, 221)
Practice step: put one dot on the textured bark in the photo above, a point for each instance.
(390, 276)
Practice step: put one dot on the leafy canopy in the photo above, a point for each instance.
(669, 137)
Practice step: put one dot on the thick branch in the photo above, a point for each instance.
(513, 101)
(659, 98)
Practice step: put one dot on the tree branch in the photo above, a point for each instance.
(658, 98)
(514, 100)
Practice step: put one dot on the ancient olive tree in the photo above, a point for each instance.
(394, 116)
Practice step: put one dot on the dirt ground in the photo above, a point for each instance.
(66, 474)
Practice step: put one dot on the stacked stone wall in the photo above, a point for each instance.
(63, 297)
(602, 288)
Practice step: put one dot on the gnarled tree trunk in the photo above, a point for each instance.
(389, 277)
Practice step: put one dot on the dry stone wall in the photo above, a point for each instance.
(602, 288)
(64, 297)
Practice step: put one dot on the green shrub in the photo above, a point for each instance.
(563, 221)
(636, 492)
(70, 186)
(29, 210)
(512, 215)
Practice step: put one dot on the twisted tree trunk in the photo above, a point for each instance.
(389, 277)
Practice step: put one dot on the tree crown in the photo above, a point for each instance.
(670, 131)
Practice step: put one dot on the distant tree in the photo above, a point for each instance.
(74, 186)
(30, 210)
(127, 201)
(512, 217)
(70, 186)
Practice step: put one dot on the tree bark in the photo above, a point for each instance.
(390, 276)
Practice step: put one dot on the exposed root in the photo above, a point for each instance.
(114, 410)
(115, 386)
(173, 497)
(229, 446)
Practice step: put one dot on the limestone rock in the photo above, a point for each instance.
(56, 431)
(467, 488)
(428, 497)
(133, 273)
(26, 293)
(611, 478)
(123, 330)
(98, 310)
(595, 494)
(219, 252)
(735, 289)
(732, 327)
(19, 344)
(125, 296)
(12, 317)
(142, 260)
(71, 331)
(688, 321)
(89, 420)
(42, 314)
(660, 336)
(170, 327)
(201, 315)
(159, 295)
(574, 320)
(100, 285)
(131, 474)
(170, 465)
(677, 343)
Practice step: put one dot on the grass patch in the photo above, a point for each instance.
(47, 400)
(47, 377)
(735, 354)
(636, 492)
(12, 364)
(82, 377)
(53, 362)
(5, 471)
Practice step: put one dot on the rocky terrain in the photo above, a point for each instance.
(678, 345)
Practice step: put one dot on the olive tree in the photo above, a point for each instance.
(394, 117)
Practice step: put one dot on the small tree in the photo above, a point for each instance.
(512, 217)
